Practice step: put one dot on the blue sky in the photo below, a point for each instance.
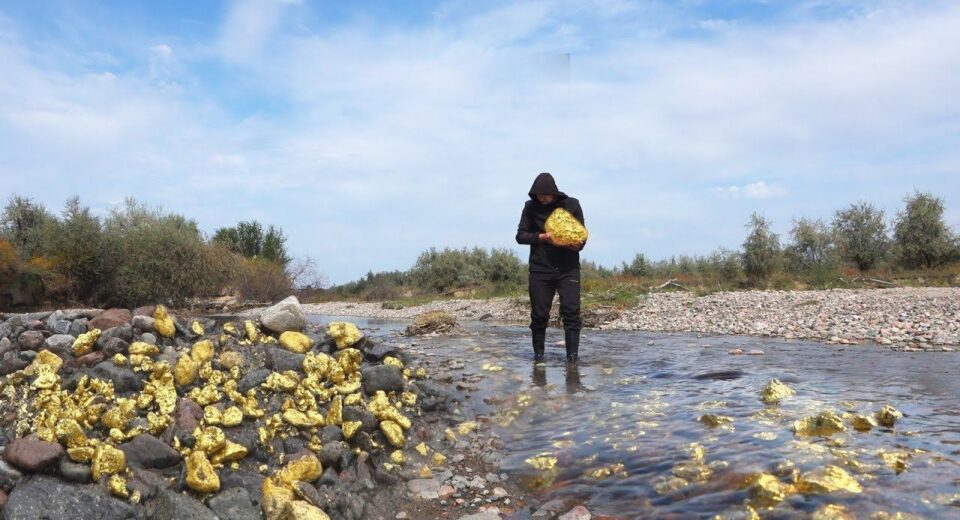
(371, 131)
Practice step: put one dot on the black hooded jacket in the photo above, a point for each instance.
(545, 257)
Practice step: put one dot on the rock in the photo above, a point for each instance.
(368, 421)
(74, 472)
(577, 513)
(281, 360)
(148, 338)
(170, 505)
(60, 344)
(250, 481)
(115, 346)
(109, 319)
(487, 514)
(425, 488)
(378, 351)
(124, 379)
(381, 377)
(331, 433)
(143, 323)
(551, 509)
(147, 451)
(253, 379)
(124, 332)
(31, 340)
(186, 415)
(32, 500)
(11, 363)
(57, 324)
(235, 504)
(146, 310)
(32, 454)
(285, 315)
(334, 454)
(89, 360)
(5, 345)
(78, 327)
(10, 476)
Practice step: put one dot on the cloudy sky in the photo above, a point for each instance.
(371, 131)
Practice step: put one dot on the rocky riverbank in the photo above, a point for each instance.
(910, 319)
(122, 414)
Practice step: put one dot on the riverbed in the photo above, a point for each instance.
(619, 432)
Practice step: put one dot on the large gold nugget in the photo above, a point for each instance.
(163, 323)
(85, 342)
(295, 341)
(344, 333)
(565, 228)
(200, 473)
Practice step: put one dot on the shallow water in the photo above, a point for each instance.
(622, 423)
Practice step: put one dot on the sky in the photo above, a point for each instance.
(370, 131)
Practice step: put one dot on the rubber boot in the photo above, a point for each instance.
(572, 341)
(539, 341)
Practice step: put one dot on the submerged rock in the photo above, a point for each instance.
(826, 423)
(431, 322)
(775, 391)
(829, 479)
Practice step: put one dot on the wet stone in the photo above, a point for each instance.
(32, 500)
(281, 360)
(147, 451)
(381, 377)
(32, 454)
(74, 471)
(233, 503)
(169, 505)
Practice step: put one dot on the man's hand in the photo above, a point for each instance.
(548, 238)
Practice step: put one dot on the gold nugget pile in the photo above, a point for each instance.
(91, 421)
(565, 228)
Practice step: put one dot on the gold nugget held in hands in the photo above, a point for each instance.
(565, 228)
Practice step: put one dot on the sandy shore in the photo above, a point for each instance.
(903, 318)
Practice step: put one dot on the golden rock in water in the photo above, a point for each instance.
(295, 341)
(121, 414)
(775, 391)
(665, 486)
(888, 416)
(466, 427)
(883, 515)
(565, 228)
(107, 460)
(696, 450)
(85, 342)
(408, 398)
(397, 457)
(201, 476)
(422, 449)
(345, 334)
(251, 331)
(390, 360)
(832, 512)
(231, 359)
(197, 328)
(692, 471)
(163, 323)
(393, 432)
(118, 486)
(767, 490)
(350, 428)
(862, 423)
(202, 351)
(827, 480)
(439, 459)
(713, 420)
(307, 468)
(895, 460)
(825, 424)
(542, 462)
(232, 416)
(607, 471)
(744, 513)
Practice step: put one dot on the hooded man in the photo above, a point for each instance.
(553, 268)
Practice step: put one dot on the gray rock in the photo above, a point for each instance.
(369, 422)
(285, 315)
(10, 363)
(5, 345)
(57, 324)
(333, 454)
(381, 377)
(11, 476)
(235, 504)
(75, 472)
(251, 481)
(378, 351)
(577, 513)
(60, 344)
(115, 346)
(124, 332)
(331, 433)
(45, 497)
(170, 505)
(253, 379)
(280, 360)
(77, 327)
(149, 338)
(124, 379)
(82, 314)
(147, 451)
(425, 488)
(6, 329)
(144, 323)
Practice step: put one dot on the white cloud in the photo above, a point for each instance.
(754, 190)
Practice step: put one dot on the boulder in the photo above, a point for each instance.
(170, 505)
(146, 310)
(49, 497)
(235, 504)
(109, 319)
(32, 454)
(381, 377)
(78, 327)
(124, 379)
(60, 344)
(147, 451)
(31, 340)
(143, 323)
(285, 315)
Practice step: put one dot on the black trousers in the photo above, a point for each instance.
(543, 285)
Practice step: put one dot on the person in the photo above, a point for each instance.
(552, 268)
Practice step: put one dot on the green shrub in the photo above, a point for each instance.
(922, 237)
(263, 280)
(761, 250)
(861, 234)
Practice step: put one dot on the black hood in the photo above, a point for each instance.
(545, 185)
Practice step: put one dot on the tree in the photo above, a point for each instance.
(761, 249)
(813, 246)
(23, 223)
(861, 233)
(248, 239)
(639, 266)
(921, 236)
